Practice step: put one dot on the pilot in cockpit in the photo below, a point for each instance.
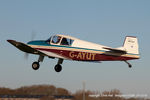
(56, 39)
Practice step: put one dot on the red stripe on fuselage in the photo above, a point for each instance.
(86, 56)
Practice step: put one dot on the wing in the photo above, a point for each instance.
(115, 50)
(25, 48)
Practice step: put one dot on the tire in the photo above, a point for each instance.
(35, 65)
(58, 68)
(130, 66)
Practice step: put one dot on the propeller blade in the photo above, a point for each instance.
(26, 55)
(33, 34)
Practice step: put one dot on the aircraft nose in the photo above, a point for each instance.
(31, 42)
(37, 42)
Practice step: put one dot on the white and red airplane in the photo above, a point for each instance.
(66, 47)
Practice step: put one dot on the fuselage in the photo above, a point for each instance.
(78, 50)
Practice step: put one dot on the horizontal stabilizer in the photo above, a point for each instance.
(115, 50)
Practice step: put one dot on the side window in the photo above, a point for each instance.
(56, 39)
(66, 41)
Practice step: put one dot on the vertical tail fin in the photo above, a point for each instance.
(131, 45)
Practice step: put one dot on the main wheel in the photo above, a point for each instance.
(58, 68)
(35, 65)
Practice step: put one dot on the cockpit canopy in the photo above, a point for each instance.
(60, 40)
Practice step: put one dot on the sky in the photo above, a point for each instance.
(105, 22)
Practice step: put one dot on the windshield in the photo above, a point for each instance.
(56, 39)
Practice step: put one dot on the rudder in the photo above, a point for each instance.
(131, 45)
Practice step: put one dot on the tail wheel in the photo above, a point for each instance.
(35, 65)
(58, 68)
(130, 65)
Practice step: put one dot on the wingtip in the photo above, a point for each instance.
(10, 41)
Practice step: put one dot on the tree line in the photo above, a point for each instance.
(50, 90)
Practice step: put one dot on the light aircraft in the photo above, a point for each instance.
(66, 47)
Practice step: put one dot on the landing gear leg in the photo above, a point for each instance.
(128, 64)
(58, 67)
(36, 65)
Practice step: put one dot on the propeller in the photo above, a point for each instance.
(26, 56)
(33, 34)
